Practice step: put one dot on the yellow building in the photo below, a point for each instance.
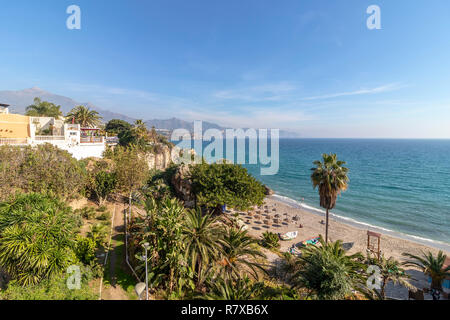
(13, 126)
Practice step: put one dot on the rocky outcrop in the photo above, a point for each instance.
(182, 185)
(268, 191)
(160, 159)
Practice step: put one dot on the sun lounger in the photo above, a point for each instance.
(288, 235)
(312, 241)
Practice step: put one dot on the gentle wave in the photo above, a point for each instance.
(360, 225)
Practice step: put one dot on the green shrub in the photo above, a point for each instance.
(105, 216)
(85, 249)
(221, 183)
(44, 169)
(270, 240)
(37, 237)
(99, 234)
(54, 289)
(102, 209)
(86, 212)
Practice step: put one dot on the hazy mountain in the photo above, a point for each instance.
(19, 100)
(175, 123)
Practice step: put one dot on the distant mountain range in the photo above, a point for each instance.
(20, 100)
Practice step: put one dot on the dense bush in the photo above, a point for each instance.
(86, 213)
(85, 249)
(37, 236)
(45, 169)
(217, 184)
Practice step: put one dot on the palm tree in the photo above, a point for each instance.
(84, 116)
(331, 178)
(432, 266)
(238, 248)
(329, 273)
(390, 270)
(200, 235)
(43, 109)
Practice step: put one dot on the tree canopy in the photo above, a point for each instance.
(116, 126)
(221, 183)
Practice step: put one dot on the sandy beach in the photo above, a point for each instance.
(311, 227)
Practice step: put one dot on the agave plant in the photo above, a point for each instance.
(432, 266)
(227, 289)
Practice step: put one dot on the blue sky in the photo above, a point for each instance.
(308, 66)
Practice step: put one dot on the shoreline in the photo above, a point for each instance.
(435, 244)
(391, 246)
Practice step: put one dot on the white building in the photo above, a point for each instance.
(23, 130)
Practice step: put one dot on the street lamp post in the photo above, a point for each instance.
(146, 246)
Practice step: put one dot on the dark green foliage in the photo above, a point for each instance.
(159, 185)
(37, 237)
(104, 184)
(217, 184)
(116, 126)
(85, 249)
(270, 240)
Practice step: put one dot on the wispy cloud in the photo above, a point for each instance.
(380, 89)
(266, 92)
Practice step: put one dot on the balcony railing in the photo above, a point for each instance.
(91, 139)
(49, 138)
(13, 141)
(73, 127)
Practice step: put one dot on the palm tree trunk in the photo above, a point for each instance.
(326, 229)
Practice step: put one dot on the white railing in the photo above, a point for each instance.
(73, 126)
(49, 138)
(91, 139)
(13, 141)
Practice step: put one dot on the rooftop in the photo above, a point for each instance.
(4, 105)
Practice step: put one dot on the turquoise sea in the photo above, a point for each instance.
(397, 187)
(400, 187)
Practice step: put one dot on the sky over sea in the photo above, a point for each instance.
(308, 66)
